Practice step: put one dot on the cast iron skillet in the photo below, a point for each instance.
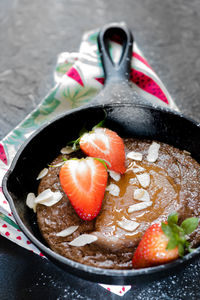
(126, 113)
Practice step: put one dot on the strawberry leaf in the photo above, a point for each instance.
(181, 249)
(167, 230)
(190, 249)
(172, 243)
(82, 131)
(189, 225)
(103, 161)
(74, 142)
(178, 234)
(100, 124)
(172, 218)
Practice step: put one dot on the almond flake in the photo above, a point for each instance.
(113, 189)
(138, 169)
(67, 150)
(57, 165)
(142, 195)
(114, 175)
(67, 231)
(83, 240)
(42, 173)
(153, 152)
(186, 152)
(144, 179)
(139, 206)
(135, 155)
(45, 195)
(133, 181)
(128, 225)
(30, 201)
(48, 198)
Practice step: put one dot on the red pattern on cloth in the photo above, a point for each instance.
(73, 73)
(148, 85)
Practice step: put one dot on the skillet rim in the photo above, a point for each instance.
(90, 106)
(110, 274)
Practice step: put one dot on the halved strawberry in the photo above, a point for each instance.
(164, 242)
(106, 144)
(84, 182)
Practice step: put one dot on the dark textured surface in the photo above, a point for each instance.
(32, 33)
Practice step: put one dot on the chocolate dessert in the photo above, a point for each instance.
(155, 183)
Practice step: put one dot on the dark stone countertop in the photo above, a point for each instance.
(32, 34)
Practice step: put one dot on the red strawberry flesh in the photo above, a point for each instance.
(84, 182)
(105, 144)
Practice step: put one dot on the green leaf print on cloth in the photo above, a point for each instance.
(33, 121)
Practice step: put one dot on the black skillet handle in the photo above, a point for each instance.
(119, 71)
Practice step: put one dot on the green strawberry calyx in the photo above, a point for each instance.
(178, 235)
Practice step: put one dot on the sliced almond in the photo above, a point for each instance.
(67, 150)
(186, 152)
(57, 165)
(142, 195)
(138, 169)
(153, 152)
(128, 225)
(45, 195)
(113, 189)
(83, 240)
(30, 201)
(48, 198)
(135, 155)
(114, 175)
(144, 179)
(43, 173)
(139, 206)
(133, 180)
(67, 231)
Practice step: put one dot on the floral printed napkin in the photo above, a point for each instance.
(78, 78)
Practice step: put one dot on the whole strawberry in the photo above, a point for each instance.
(164, 242)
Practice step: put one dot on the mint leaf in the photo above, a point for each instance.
(189, 225)
(172, 218)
